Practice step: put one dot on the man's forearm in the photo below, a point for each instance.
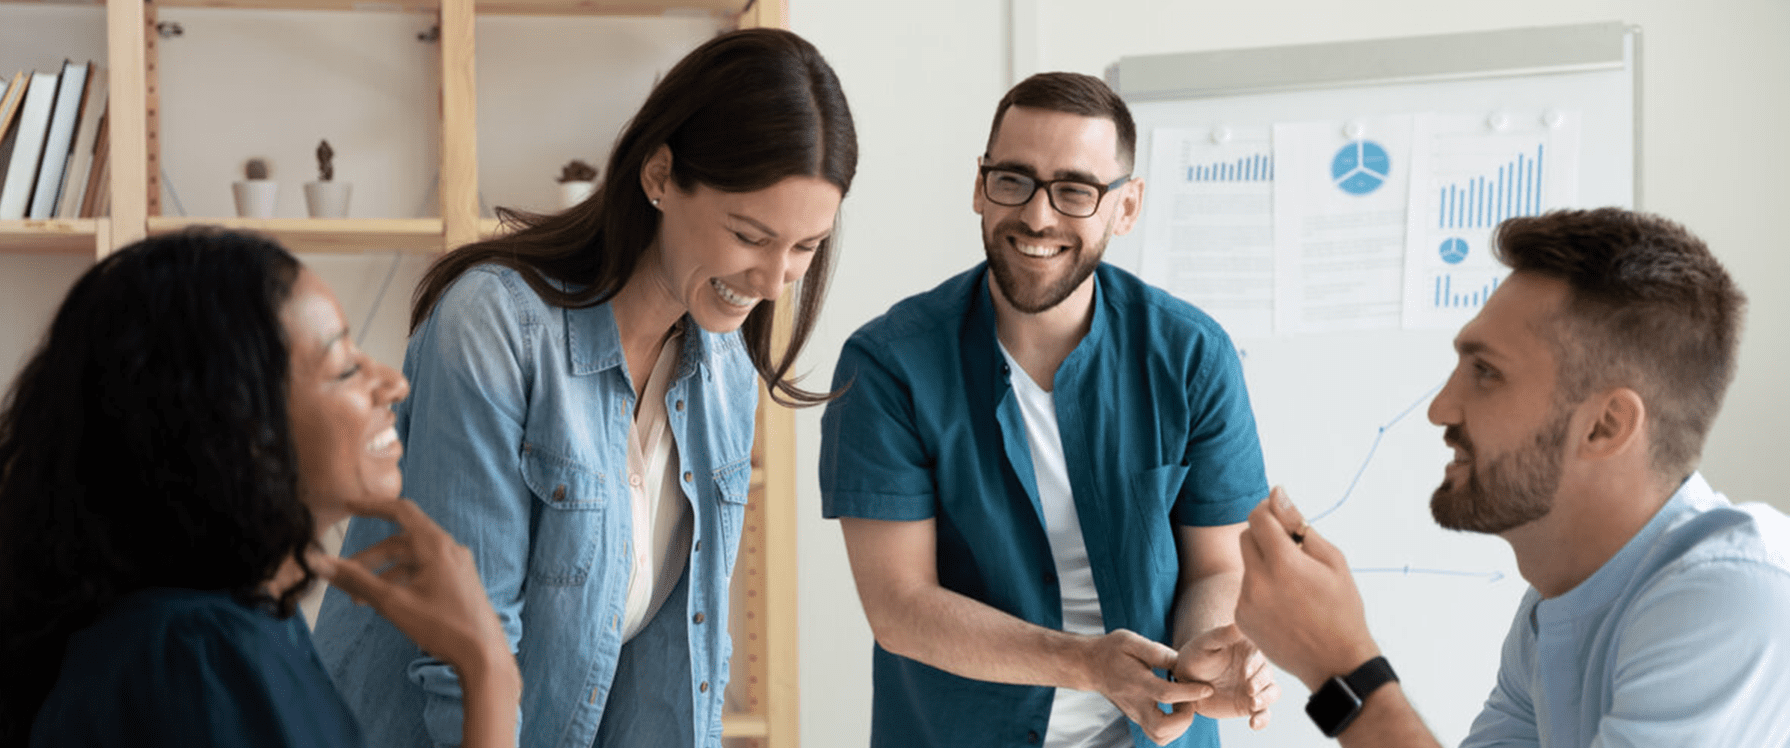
(1204, 604)
(969, 638)
(1387, 720)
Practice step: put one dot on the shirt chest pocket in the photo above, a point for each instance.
(732, 483)
(566, 522)
(1151, 526)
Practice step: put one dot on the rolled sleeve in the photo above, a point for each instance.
(873, 463)
(465, 419)
(1226, 477)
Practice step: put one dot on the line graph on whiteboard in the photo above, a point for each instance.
(1373, 450)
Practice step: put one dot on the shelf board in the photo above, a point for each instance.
(744, 726)
(490, 7)
(65, 236)
(333, 235)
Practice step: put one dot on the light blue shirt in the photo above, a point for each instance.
(1681, 639)
(515, 437)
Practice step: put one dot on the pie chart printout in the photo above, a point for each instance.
(1360, 167)
(1453, 250)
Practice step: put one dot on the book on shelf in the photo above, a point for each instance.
(97, 200)
(9, 115)
(80, 158)
(9, 102)
(28, 145)
(59, 138)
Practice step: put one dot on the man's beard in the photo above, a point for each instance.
(1516, 488)
(1035, 298)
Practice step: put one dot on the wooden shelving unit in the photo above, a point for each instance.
(330, 235)
(764, 694)
(57, 236)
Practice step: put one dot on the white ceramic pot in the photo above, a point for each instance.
(255, 197)
(573, 193)
(327, 199)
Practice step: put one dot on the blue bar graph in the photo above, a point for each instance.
(1256, 168)
(1448, 298)
(1485, 201)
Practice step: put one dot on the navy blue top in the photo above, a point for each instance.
(178, 667)
(1157, 431)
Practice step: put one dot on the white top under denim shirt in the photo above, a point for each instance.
(1681, 639)
(516, 440)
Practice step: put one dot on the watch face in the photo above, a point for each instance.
(1333, 707)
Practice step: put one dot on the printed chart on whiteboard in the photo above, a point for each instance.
(1472, 172)
(1366, 224)
(1339, 223)
(1209, 217)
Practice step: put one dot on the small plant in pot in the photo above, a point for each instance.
(326, 197)
(577, 180)
(255, 193)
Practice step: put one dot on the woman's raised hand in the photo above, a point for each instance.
(426, 584)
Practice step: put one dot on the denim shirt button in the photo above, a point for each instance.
(680, 405)
(559, 492)
(698, 617)
(698, 545)
(688, 476)
(704, 687)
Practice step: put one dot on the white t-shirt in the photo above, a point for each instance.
(663, 524)
(1078, 719)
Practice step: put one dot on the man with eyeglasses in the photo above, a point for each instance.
(1042, 468)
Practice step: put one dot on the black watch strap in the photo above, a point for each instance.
(1335, 705)
(1371, 675)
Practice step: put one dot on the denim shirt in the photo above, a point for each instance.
(515, 437)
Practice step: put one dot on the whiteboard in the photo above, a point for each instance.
(1343, 414)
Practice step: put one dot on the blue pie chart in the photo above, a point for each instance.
(1453, 250)
(1360, 167)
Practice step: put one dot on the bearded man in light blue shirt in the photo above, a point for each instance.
(1659, 613)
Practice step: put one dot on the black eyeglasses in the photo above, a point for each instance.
(1071, 197)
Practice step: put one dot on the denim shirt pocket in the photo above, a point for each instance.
(567, 517)
(1154, 493)
(733, 482)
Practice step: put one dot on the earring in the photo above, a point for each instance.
(655, 202)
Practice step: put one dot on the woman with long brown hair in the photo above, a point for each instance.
(583, 406)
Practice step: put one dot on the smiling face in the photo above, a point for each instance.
(339, 404)
(1039, 256)
(720, 253)
(1502, 412)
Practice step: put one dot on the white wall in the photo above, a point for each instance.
(923, 77)
(1713, 107)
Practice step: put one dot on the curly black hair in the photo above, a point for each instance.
(146, 444)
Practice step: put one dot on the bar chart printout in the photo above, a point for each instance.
(1208, 231)
(1470, 173)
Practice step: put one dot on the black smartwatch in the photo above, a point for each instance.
(1338, 701)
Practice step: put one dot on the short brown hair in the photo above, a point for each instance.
(1073, 93)
(1649, 308)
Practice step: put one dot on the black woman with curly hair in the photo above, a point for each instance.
(194, 416)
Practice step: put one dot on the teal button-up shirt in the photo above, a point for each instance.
(1157, 431)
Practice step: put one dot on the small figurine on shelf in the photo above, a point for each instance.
(326, 197)
(255, 194)
(577, 180)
